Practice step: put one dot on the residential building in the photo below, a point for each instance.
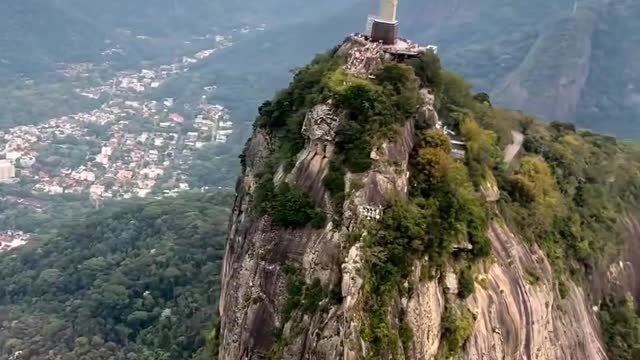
(7, 170)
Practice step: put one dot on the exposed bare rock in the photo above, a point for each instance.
(256, 154)
(254, 282)
(490, 191)
(389, 177)
(514, 148)
(451, 282)
(427, 115)
(321, 123)
(319, 128)
(365, 60)
(520, 315)
(351, 277)
(424, 315)
(462, 246)
(351, 287)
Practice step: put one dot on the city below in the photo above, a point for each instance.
(129, 147)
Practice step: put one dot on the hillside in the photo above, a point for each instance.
(554, 60)
(135, 280)
(558, 60)
(37, 35)
(360, 231)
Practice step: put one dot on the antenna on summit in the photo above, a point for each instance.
(385, 27)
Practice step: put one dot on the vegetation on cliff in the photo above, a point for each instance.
(570, 192)
(566, 191)
(284, 116)
(443, 197)
(287, 206)
(443, 209)
(457, 327)
(372, 110)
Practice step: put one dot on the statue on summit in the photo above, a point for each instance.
(389, 10)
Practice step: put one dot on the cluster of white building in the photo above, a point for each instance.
(214, 120)
(134, 160)
(138, 82)
(130, 163)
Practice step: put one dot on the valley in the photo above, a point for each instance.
(130, 146)
(386, 208)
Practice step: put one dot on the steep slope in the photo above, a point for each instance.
(550, 86)
(355, 234)
(559, 60)
(522, 319)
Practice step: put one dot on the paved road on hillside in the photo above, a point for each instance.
(512, 150)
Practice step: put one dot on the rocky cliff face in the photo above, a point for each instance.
(524, 318)
(517, 309)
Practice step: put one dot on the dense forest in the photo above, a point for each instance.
(136, 281)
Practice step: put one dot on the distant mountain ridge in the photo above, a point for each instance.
(37, 34)
(563, 60)
(34, 34)
(560, 60)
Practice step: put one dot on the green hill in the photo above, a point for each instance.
(559, 60)
(139, 281)
(35, 34)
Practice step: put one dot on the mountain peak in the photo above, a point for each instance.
(385, 211)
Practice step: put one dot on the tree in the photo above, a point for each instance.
(455, 92)
(102, 280)
(428, 69)
(48, 280)
(457, 327)
(433, 165)
(538, 181)
(482, 98)
(621, 327)
(482, 150)
(287, 206)
(396, 77)
(434, 139)
(466, 283)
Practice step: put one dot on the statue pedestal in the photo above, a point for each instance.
(385, 32)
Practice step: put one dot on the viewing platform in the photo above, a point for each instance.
(402, 49)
